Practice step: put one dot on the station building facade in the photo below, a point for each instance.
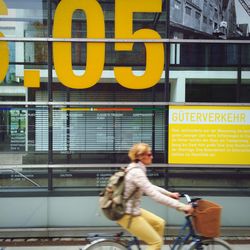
(81, 81)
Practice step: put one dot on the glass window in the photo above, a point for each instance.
(201, 91)
(44, 121)
(245, 54)
(211, 8)
(23, 126)
(23, 179)
(199, 77)
(245, 85)
(23, 134)
(22, 58)
(188, 10)
(204, 19)
(177, 4)
(216, 13)
(197, 15)
(26, 18)
(102, 133)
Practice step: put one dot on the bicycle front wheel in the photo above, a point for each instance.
(209, 244)
(105, 245)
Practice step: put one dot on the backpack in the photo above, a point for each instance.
(111, 200)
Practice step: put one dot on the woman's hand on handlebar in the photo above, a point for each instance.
(175, 195)
(188, 209)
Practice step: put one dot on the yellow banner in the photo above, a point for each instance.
(209, 135)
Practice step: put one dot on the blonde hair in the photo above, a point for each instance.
(138, 150)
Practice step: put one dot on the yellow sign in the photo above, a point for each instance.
(209, 135)
(95, 58)
(4, 50)
(124, 11)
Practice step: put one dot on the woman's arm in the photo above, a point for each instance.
(174, 195)
(158, 194)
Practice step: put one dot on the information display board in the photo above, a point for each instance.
(209, 135)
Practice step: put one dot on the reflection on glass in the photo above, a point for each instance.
(95, 179)
(17, 130)
(207, 72)
(23, 179)
(203, 84)
(245, 85)
(26, 18)
(89, 134)
(23, 132)
(22, 56)
(104, 134)
(209, 19)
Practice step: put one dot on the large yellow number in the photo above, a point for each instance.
(124, 10)
(62, 53)
(4, 50)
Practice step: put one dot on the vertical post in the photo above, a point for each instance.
(68, 128)
(26, 122)
(167, 87)
(167, 52)
(239, 74)
(153, 122)
(50, 99)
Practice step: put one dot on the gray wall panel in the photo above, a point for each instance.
(84, 211)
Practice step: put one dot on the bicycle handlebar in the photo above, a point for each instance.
(188, 198)
(192, 201)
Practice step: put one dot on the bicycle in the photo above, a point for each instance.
(187, 238)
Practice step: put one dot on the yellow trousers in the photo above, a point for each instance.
(147, 227)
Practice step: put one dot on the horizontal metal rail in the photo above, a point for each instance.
(117, 165)
(32, 103)
(124, 40)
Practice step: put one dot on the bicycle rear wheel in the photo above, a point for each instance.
(209, 244)
(104, 244)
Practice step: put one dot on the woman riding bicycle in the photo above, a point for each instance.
(140, 222)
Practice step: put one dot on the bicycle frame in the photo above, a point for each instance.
(186, 233)
(136, 242)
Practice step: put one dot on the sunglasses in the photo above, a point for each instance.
(149, 154)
